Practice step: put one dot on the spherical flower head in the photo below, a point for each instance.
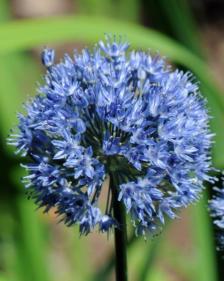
(115, 113)
(216, 207)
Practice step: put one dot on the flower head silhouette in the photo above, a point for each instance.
(121, 114)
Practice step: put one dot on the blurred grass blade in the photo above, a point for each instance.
(14, 86)
(23, 34)
(11, 95)
(176, 20)
(202, 228)
(152, 252)
(27, 262)
(31, 247)
(183, 24)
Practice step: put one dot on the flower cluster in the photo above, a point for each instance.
(217, 213)
(114, 112)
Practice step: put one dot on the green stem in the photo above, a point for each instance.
(120, 235)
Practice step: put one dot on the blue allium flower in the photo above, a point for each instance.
(217, 213)
(121, 113)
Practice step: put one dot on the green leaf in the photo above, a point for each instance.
(205, 251)
(177, 20)
(23, 34)
(30, 243)
(14, 87)
(149, 259)
(26, 260)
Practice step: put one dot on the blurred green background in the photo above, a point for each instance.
(32, 245)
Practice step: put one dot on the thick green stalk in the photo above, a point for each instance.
(120, 235)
